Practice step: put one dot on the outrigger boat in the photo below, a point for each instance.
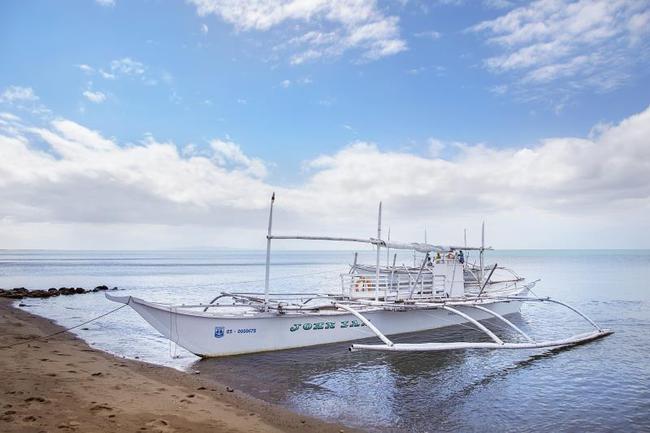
(374, 300)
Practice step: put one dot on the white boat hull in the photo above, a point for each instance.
(211, 335)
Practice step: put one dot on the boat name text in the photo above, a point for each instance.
(316, 326)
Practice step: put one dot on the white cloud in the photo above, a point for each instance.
(86, 68)
(585, 43)
(430, 34)
(9, 116)
(326, 102)
(18, 94)
(79, 166)
(227, 153)
(127, 66)
(105, 3)
(23, 98)
(167, 77)
(204, 29)
(285, 83)
(498, 4)
(96, 97)
(435, 147)
(49, 175)
(563, 175)
(106, 75)
(416, 71)
(351, 25)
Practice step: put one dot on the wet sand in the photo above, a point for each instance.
(61, 384)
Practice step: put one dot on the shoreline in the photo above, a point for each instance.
(62, 384)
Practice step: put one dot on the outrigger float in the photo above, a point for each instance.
(374, 300)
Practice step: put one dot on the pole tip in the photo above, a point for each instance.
(273, 196)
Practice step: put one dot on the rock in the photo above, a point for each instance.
(79, 290)
(229, 389)
(100, 288)
(114, 288)
(66, 291)
(17, 293)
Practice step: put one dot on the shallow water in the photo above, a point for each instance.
(601, 386)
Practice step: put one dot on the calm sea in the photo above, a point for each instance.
(602, 386)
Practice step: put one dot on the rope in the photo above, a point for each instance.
(66, 329)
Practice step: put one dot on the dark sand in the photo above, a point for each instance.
(61, 384)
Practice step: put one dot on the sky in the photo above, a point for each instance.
(151, 124)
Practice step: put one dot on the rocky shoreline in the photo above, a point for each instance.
(21, 292)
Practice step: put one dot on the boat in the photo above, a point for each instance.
(379, 300)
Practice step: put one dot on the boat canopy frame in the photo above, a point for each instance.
(378, 242)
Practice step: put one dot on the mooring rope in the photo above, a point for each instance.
(66, 329)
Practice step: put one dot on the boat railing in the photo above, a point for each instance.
(394, 286)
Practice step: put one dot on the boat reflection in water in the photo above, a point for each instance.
(384, 391)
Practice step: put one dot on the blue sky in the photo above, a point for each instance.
(288, 85)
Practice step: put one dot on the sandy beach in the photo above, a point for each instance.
(62, 384)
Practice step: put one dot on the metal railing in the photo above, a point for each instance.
(397, 286)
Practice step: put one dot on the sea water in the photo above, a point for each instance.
(600, 386)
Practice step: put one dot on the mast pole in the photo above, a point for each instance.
(388, 250)
(481, 252)
(378, 247)
(268, 253)
(392, 276)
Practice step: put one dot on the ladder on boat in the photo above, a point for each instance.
(496, 343)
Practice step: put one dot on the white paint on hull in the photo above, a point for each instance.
(212, 335)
